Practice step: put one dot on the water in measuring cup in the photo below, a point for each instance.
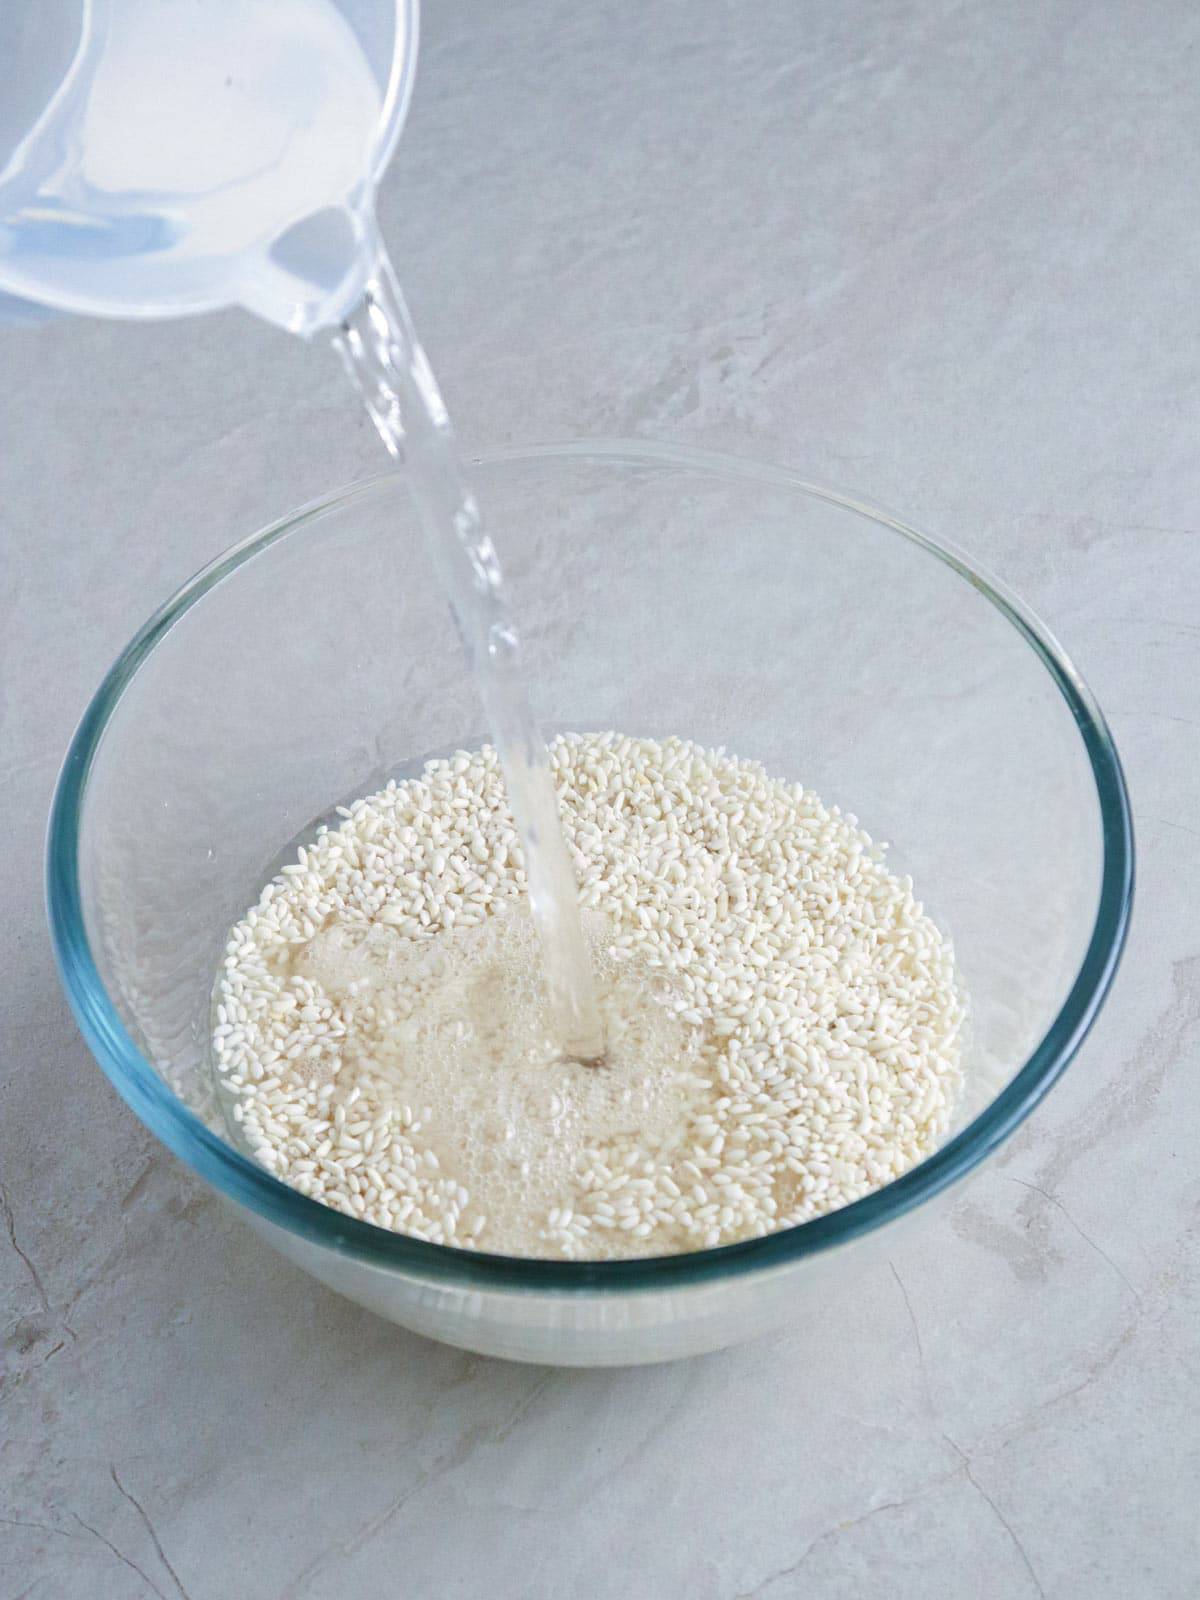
(191, 157)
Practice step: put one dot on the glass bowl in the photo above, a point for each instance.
(662, 591)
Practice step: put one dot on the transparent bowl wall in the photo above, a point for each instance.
(661, 591)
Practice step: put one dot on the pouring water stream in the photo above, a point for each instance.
(387, 365)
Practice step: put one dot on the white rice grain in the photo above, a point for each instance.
(805, 1009)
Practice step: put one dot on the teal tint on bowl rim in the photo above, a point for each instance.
(250, 1185)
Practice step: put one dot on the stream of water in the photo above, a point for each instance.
(387, 365)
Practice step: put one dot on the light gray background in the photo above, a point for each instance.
(943, 253)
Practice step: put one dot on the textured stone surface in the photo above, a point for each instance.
(943, 254)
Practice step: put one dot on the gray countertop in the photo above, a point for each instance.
(943, 254)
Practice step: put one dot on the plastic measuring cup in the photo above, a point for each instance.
(157, 160)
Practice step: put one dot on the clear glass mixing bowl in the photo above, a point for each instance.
(662, 591)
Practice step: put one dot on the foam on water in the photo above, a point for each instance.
(458, 1029)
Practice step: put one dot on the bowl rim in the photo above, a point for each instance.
(451, 1266)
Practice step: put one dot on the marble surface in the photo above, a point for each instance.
(942, 253)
